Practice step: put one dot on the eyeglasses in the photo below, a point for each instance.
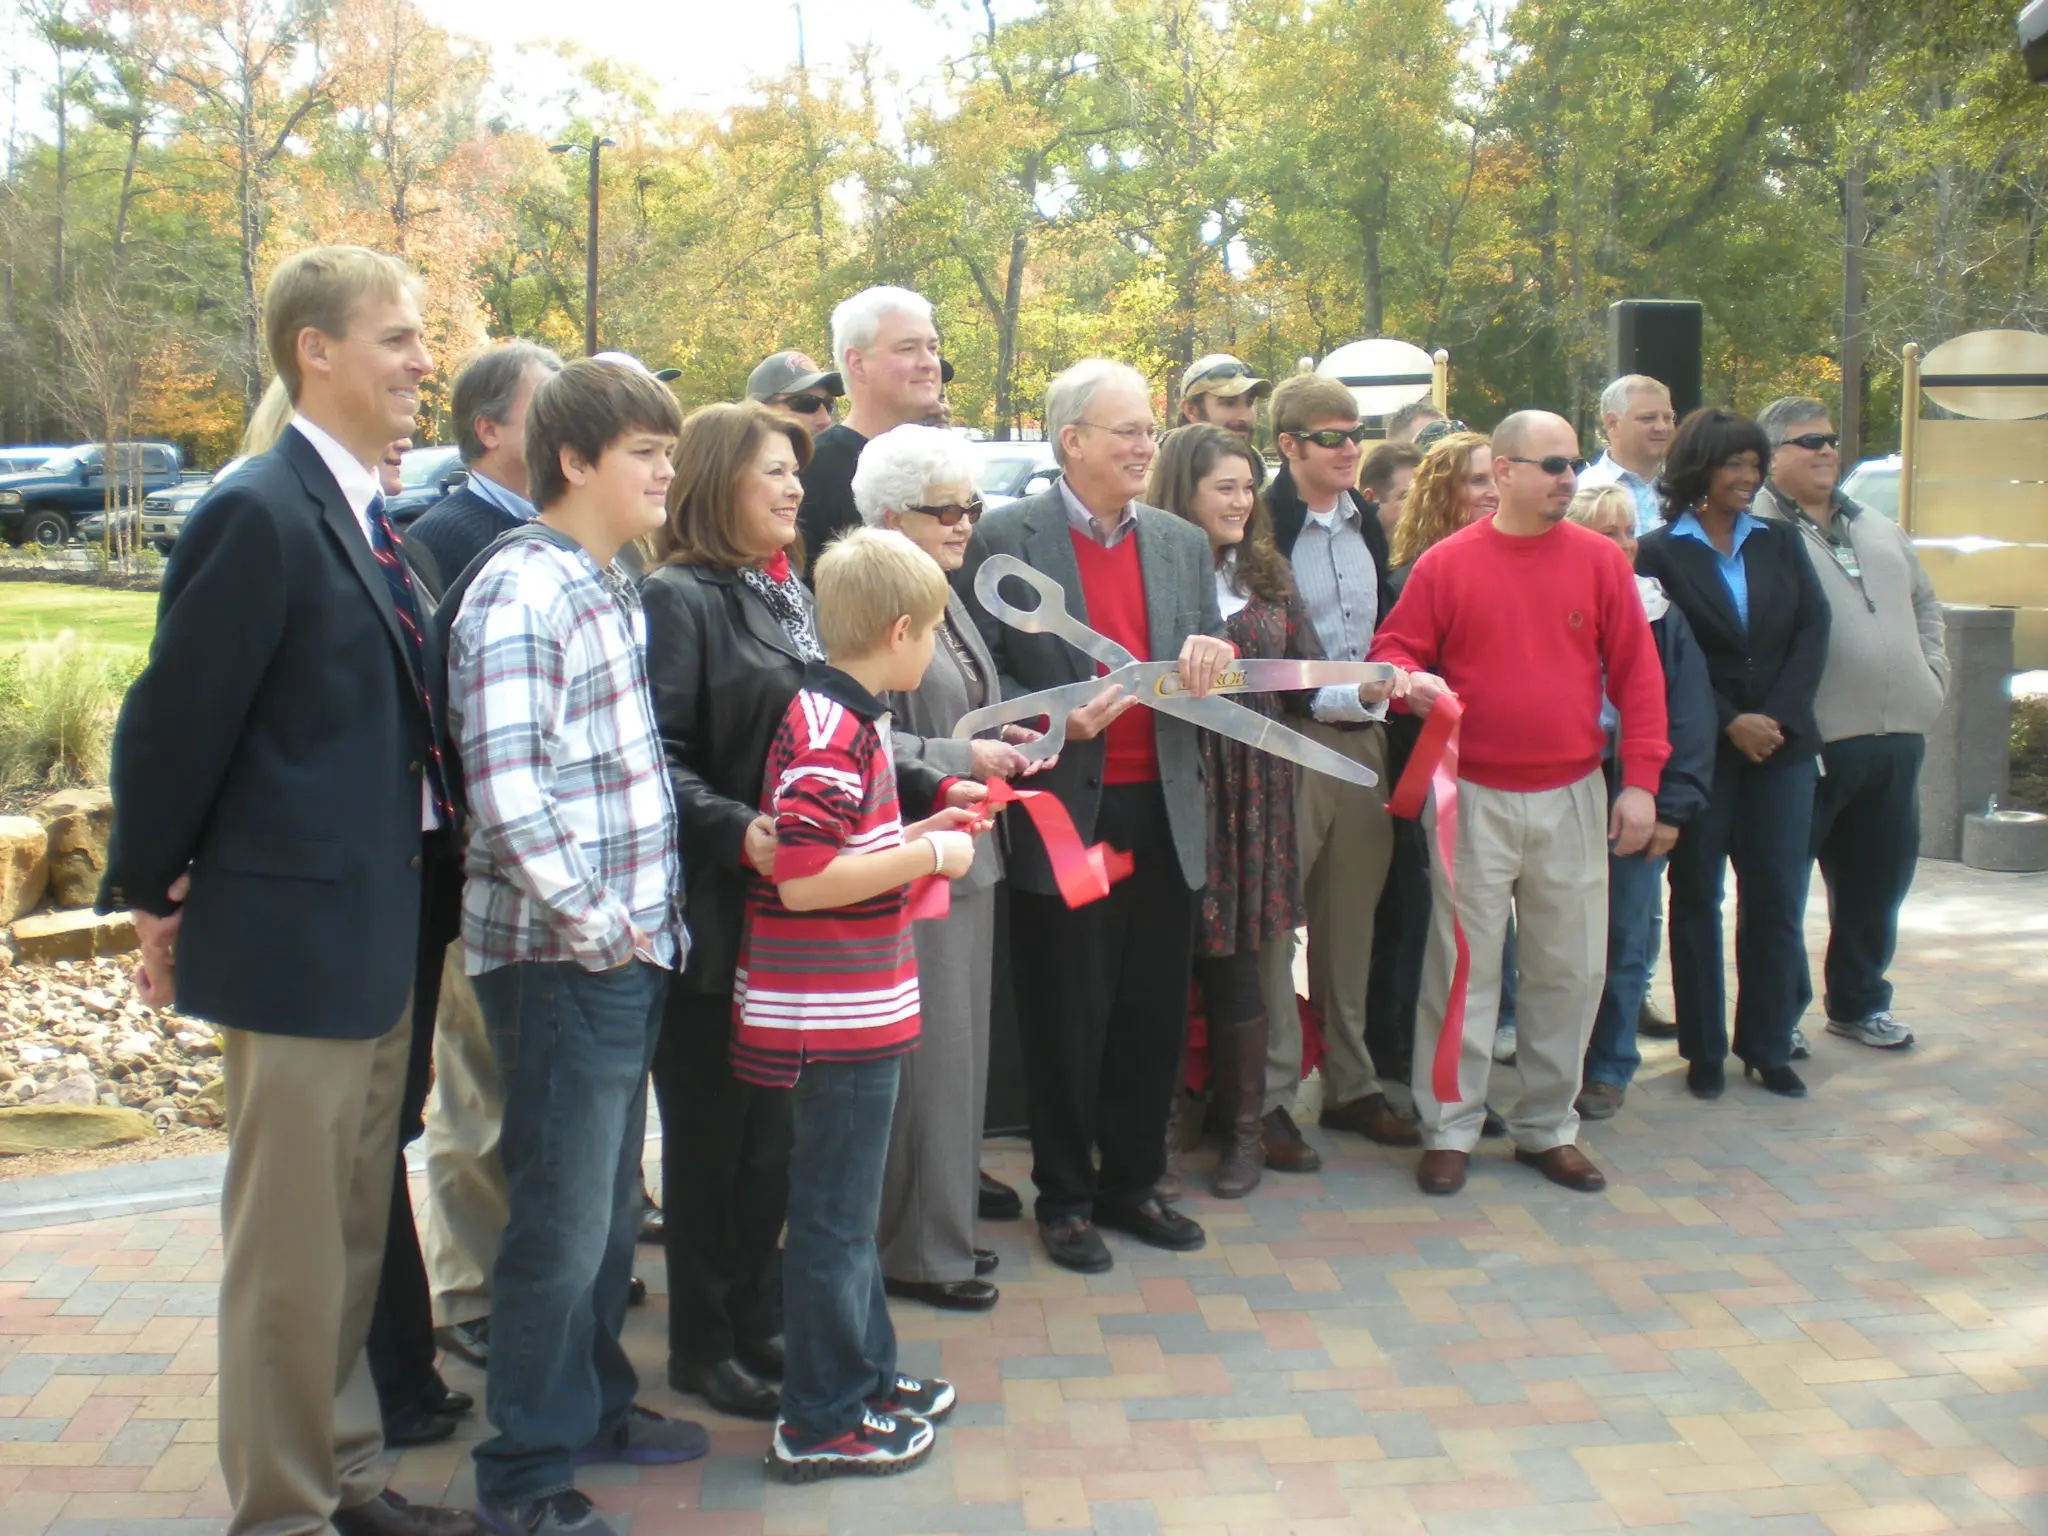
(952, 511)
(808, 405)
(1130, 436)
(1813, 442)
(1555, 464)
(1332, 437)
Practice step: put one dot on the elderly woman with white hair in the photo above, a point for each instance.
(920, 481)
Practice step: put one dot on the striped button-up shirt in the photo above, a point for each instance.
(1340, 587)
(1606, 471)
(572, 838)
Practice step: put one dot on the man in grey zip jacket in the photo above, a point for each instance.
(1880, 690)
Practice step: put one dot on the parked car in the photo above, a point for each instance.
(425, 475)
(1874, 483)
(164, 514)
(26, 456)
(1010, 471)
(45, 505)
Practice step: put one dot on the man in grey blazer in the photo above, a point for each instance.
(1102, 990)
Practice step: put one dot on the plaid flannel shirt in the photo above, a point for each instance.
(572, 829)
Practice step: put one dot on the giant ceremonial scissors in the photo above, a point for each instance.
(1156, 684)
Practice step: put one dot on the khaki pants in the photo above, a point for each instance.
(312, 1136)
(1542, 856)
(1345, 842)
(465, 1212)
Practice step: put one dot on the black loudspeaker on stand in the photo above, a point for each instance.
(1659, 337)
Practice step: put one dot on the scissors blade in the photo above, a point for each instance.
(1257, 731)
(1281, 676)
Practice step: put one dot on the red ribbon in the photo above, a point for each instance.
(1084, 874)
(1434, 765)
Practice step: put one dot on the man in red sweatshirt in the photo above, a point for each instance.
(1527, 619)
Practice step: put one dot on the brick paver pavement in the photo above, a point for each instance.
(1828, 1316)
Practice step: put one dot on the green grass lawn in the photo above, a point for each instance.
(33, 611)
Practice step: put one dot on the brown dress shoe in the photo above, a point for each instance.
(1373, 1118)
(1286, 1149)
(1567, 1166)
(389, 1515)
(1441, 1172)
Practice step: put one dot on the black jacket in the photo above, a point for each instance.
(723, 674)
(1771, 668)
(274, 747)
(1688, 778)
(1288, 513)
(454, 532)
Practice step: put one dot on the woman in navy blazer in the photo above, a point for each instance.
(1749, 592)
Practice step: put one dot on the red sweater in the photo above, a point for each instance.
(838, 985)
(1113, 588)
(1523, 629)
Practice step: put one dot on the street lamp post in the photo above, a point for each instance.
(595, 149)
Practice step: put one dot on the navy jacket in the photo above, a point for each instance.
(461, 526)
(1688, 778)
(274, 748)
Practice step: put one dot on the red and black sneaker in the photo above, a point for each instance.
(928, 1400)
(881, 1445)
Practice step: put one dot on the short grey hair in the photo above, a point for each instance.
(487, 386)
(1068, 396)
(857, 321)
(1783, 414)
(897, 469)
(1615, 397)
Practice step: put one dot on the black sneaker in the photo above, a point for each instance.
(928, 1400)
(567, 1513)
(881, 1445)
(645, 1438)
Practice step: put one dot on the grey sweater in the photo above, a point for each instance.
(1886, 670)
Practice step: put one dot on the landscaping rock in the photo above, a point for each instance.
(69, 1127)
(72, 936)
(24, 865)
(78, 822)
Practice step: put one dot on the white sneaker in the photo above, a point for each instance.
(1504, 1044)
(1801, 1051)
(1880, 1031)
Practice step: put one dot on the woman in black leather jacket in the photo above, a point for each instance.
(728, 633)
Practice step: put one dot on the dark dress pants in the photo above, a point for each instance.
(1400, 937)
(1866, 835)
(1759, 819)
(1102, 1003)
(724, 1184)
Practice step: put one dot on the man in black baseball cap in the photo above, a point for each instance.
(790, 383)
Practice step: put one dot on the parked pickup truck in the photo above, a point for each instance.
(44, 506)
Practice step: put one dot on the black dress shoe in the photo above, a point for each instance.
(410, 1424)
(1705, 1079)
(985, 1262)
(636, 1291)
(998, 1202)
(727, 1388)
(947, 1295)
(1155, 1223)
(1652, 1025)
(438, 1397)
(1779, 1080)
(764, 1357)
(1073, 1243)
(389, 1515)
(470, 1340)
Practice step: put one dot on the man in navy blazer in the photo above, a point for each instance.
(276, 782)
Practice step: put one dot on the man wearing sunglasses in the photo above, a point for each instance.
(1636, 420)
(791, 385)
(1334, 540)
(1880, 688)
(1531, 621)
(1220, 390)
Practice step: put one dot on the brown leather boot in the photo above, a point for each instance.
(1237, 1076)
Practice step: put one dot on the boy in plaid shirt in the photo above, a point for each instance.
(826, 999)
(570, 926)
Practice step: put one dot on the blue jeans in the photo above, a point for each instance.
(573, 1050)
(837, 1337)
(1635, 893)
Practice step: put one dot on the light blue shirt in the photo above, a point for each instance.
(1733, 576)
(1649, 506)
(505, 501)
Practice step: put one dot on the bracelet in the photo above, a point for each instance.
(938, 855)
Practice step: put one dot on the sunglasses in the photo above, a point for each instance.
(805, 405)
(1332, 437)
(1221, 371)
(1813, 442)
(1556, 464)
(952, 511)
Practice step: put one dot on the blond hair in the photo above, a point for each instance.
(1595, 502)
(866, 581)
(272, 415)
(319, 288)
(1301, 398)
(1434, 509)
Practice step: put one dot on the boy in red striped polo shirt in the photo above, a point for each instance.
(826, 999)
